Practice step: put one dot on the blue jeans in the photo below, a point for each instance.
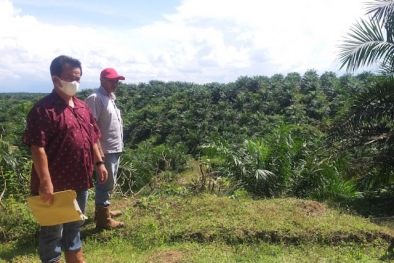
(67, 236)
(103, 190)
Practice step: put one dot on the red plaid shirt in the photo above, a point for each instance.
(67, 135)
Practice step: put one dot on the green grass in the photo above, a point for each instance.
(206, 228)
(174, 223)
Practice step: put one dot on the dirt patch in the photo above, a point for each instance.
(312, 208)
(169, 256)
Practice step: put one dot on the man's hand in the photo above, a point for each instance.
(102, 174)
(46, 192)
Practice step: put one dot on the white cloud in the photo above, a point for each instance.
(290, 35)
(204, 41)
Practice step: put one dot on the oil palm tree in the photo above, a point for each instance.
(365, 130)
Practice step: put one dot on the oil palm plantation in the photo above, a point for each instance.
(365, 129)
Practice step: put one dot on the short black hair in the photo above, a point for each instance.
(58, 64)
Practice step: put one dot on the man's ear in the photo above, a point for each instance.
(56, 81)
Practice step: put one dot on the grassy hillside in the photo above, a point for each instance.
(207, 228)
(170, 222)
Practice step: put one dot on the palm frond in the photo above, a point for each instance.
(386, 68)
(262, 174)
(368, 108)
(380, 10)
(6, 154)
(366, 131)
(364, 46)
(374, 104)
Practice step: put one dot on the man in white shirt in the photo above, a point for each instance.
(107, 115)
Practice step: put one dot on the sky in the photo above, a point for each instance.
(197, 41)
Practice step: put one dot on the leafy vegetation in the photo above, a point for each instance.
(183, 220)
(259, 137)
(364, 129)
(267, 135)
(262, 150)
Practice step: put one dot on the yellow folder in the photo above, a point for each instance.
(64, 209)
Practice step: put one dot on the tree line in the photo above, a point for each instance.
(266, 135)
(306, 136)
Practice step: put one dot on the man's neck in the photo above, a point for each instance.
(67, 99)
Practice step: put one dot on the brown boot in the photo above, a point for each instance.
(104, 220)
(115, 213)
(74, 256)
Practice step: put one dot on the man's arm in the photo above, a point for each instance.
(98, 154)
(97, 157)
(100, 149)
(40, 161)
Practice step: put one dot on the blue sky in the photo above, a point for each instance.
(198, 41)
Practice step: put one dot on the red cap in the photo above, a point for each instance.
(110, 73)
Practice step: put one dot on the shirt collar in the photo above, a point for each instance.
(56, 98)
(59, 100)
(104, 92)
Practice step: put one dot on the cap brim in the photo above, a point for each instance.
(114, 77)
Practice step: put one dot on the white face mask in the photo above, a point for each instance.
(69, 88)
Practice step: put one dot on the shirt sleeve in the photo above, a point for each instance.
(37, 127)
(95, 105)
(96, 129)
